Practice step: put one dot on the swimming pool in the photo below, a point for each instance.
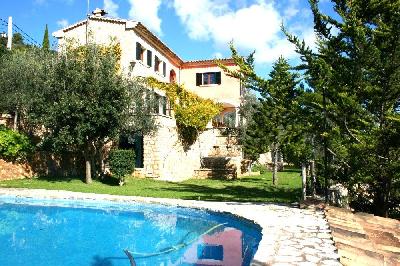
(104, 233)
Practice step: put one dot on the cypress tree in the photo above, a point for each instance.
(46, 42)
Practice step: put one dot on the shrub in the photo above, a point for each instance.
(14, 146)
(122, 163)
(259, 168)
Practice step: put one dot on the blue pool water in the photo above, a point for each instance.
(96, 233)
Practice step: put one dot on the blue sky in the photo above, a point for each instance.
(194, 29)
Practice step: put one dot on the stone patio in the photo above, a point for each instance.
(290, 235)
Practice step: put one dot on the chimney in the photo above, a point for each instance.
(99, 12)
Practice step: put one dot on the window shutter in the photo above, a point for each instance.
(218, 77)
(138, 51)
(198, 79)
(149, 58)
(164, 66)
(156, 62)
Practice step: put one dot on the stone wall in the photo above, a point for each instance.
(166, 158)
(10, 170)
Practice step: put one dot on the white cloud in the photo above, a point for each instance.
(111, 8)
(62, 23)
(252, 27)
(217, 55)
(291, 9)
(146, 11)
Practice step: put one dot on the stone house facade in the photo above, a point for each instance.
(143, 54)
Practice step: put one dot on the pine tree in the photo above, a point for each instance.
(267, 129)
(46, 42)
(355, 75)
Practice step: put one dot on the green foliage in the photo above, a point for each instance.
(77, 100)
(138, 116)
(355, 76)
(46, 41)
(259, 168)
(268, 128)
(3, 46)
(122, 163)
(192, 113)
(14, 146)
(83, 100)
(22, 72)
(247, 109)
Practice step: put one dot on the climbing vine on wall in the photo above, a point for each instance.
(192, 113)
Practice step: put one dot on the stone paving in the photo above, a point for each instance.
(364, 239)
(291, 236)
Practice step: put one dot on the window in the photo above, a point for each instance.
(208, 78)
(140, 52)
(164, 69)
(149, 58)
(156, 108)
(157, 62)
(161, 105)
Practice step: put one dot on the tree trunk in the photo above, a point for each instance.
(275, 165)
(15, 126)
(303, 181)
(313, 178)
(88, 175)
(88, 165)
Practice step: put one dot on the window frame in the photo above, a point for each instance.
(157, 63)
(211, 78)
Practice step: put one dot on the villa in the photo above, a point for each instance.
(143, 54)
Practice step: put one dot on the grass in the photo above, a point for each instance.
(246, 189)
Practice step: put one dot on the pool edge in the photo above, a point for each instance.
(238, 209)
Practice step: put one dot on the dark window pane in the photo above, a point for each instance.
(164, 69)
(206, 79)
(198, 79)
(138, 51)
(217, 77)
(149, 58)
(213, 78)
(156, 109)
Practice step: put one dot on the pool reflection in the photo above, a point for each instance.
(220, 248)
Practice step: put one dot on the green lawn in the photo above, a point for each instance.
(246, 189)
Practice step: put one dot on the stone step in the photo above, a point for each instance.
(206, 173)
(364, 239)
(218, 162)
(351, 255)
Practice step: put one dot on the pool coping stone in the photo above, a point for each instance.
(290, 235)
